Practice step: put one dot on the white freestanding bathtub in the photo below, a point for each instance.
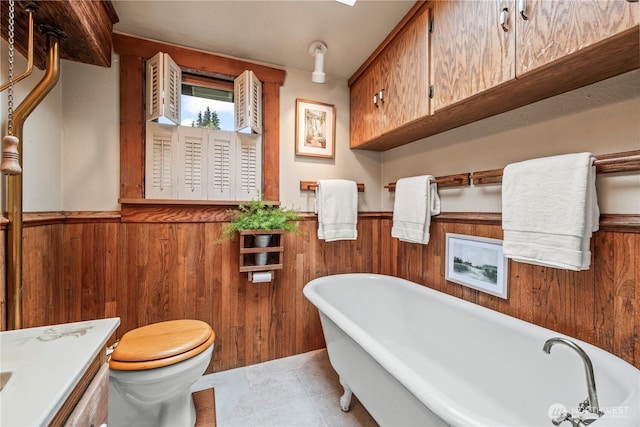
(418, 357)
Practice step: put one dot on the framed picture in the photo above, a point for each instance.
(315, 129)
(478, 263)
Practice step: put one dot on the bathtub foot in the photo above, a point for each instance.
(345, 399)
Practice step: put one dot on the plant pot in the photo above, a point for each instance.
(261, 241)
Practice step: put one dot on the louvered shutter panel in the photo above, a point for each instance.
(161, 178)
(193, 143)
(221, 157)
(173, 82)
(248, 102)
(154, 87)
(249, 169)
(164, 78)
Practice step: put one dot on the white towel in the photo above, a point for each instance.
(337, 209)
(549, 211)
(416, 202)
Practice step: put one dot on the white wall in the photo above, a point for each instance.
(601, 118)
(91, 134)
(42, 140)
(357, 165)
(71, 153)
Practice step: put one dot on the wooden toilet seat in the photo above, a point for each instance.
(161, 344)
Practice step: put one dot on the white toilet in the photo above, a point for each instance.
(151, 372)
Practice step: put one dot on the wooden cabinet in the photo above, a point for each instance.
(394, 89)
(366, 119)
(488, 57)
(92, 408)
(555, 29)
(478, 45)
(471, 52)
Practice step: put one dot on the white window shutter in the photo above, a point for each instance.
(249, 169)
(221, 156)
(161, 179)
(154, 87)
(164, 79)
(193, 163)
(248, 102)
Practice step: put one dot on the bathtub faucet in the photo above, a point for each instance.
(590, 405)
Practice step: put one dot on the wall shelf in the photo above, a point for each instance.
(274, 251)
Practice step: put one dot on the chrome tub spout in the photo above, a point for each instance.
(593, 407)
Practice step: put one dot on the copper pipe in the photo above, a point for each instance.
(14, 246)
(30, 10)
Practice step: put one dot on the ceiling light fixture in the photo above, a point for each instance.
(318, 49)
(348, 2)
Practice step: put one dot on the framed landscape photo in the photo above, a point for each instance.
(315, 129)
(478, 263)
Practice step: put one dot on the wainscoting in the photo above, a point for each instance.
(81, 266)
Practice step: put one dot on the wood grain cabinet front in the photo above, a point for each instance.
(547, 30)
(485, 58)
(92, 409)
(393, 90)
(479, 45)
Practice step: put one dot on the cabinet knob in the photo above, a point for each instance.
(375, 100)
(504, 19)
(522, 9)
(381, 96)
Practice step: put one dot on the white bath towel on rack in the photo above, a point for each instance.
(337, 209)
(416, 201)
(550, 210)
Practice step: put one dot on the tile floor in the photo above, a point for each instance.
(296, 391)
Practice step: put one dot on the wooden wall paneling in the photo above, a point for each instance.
(388, 249)
(94, 269)
(604, 293)
(116, 270)
(44, 297)
(131, 126)
(271, 141)
(211, 292)
(625, 300)
(73, 267)
(152, 272)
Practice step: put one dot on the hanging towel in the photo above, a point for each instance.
(416, 202)
(337, 209)
(550, 210)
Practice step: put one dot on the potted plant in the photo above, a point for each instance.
(258, 215)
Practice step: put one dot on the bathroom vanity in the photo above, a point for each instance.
(54, 374)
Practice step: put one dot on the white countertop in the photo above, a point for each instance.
(45, 364)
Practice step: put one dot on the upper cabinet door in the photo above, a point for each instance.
(406, 87)
(554, 29)
(472, 48)
(366, 120)
(393, 90)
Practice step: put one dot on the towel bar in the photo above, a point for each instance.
(311, 186)
(457, 180)
(627, 161)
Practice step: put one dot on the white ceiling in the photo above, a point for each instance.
(274, 32)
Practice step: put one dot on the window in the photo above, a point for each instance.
(196, 160)
(134, 53)
(210, 101)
